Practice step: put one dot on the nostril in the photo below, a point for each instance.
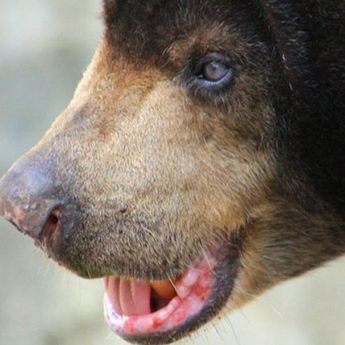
(52, 225)
(52, 221)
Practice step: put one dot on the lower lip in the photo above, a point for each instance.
(174, 315)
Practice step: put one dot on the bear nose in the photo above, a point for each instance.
(28, 199)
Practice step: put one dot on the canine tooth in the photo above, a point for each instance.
(184, 286)
(191, 277)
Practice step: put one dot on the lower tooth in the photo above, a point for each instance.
(184, 287)
(183, 291)
(191, 278)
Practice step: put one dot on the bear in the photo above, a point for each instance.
(199, 162)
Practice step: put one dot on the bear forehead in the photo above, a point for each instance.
(147, 28)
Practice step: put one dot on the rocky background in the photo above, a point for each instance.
(44, 48)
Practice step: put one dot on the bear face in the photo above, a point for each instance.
(194, 154)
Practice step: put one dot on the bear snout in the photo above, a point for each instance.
(30, 198)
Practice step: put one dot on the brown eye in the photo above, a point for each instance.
(214, 71)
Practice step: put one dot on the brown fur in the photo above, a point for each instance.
(161, 175)
(181, 178)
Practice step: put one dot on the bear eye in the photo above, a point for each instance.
(212, 73)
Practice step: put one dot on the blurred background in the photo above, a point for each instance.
(44, 48)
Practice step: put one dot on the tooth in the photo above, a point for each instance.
(191, 277)
(184, 286)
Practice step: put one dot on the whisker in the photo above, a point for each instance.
(214, 324)
(110, 336)
(234, 332)
(88, 273)
(172, 283)
(207, 260)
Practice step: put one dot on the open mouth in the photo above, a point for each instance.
(160, 311)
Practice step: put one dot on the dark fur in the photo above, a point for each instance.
(310, 36)
(149, 179)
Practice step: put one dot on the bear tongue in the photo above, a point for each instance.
(129, 297)
(135, 297)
